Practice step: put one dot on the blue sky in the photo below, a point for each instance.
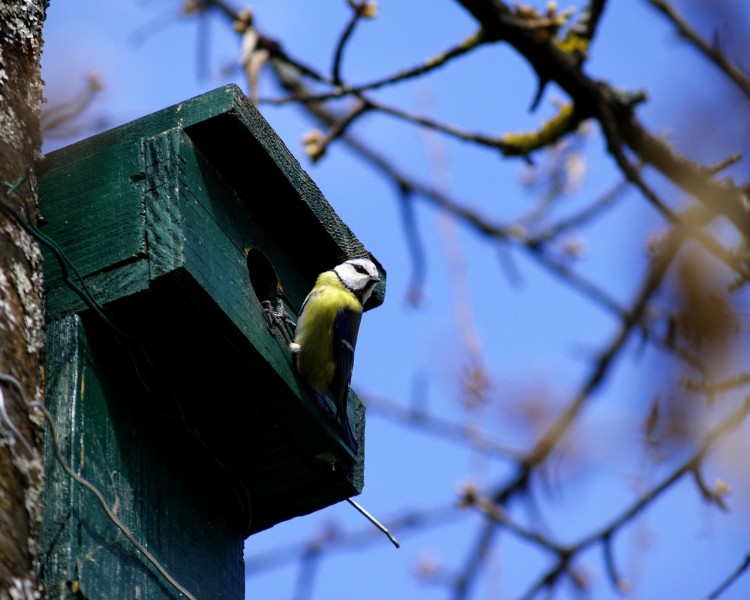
(536, 337)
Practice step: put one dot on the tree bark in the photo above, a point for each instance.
(21, 297)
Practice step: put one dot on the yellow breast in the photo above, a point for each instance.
(315, 359)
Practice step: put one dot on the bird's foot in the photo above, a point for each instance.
(278, 319)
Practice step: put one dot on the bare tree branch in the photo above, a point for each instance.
(714, 54)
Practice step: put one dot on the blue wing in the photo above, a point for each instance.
(345, 330)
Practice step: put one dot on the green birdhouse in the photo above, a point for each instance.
(171, 391)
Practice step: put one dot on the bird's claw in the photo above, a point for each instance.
(278, 319)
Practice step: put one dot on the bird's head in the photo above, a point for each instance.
(359, 276)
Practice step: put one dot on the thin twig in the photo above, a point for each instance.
(375, 522)
(428, 66)
(457, 432)
(714, 54)
(604, 535)
(357, 540)
(725, 585)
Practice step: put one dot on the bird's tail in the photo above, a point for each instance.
(341, 416)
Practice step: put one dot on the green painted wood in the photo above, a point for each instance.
(96, 235)
(117, 432)
(181, 224)
(105, 286)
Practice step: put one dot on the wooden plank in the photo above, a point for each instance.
(93, 210)
(58, 530)
(92, 191)
(163, 219)
(113, 435)
(103, 287)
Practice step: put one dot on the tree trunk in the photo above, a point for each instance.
(21, 299)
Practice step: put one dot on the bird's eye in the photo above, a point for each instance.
(360, 269)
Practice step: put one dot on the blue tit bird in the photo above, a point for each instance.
(326, 332)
